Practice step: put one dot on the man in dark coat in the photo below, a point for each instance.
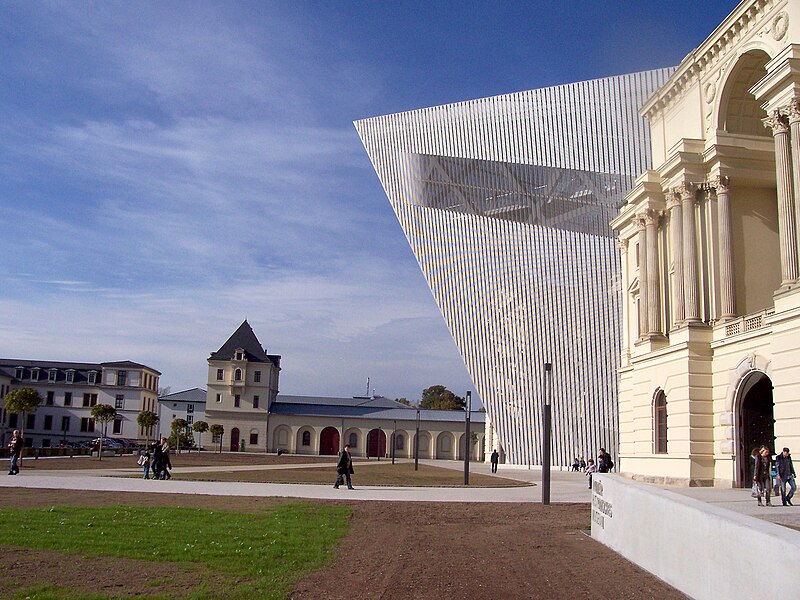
(786, 476)
(344, 468)
(604, 462)
(494, 459)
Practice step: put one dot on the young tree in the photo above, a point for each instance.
(179, 436)
(103, 413)
(200, 427)
(439, 397)
(22, 401)
(147, 419)
(217, 430)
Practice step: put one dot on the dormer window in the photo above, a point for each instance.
(51, 375)
(19, 372)
(35, 374)
(71, 376)
(239, 355)
(92, 377)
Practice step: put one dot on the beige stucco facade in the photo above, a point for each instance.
(710, 362)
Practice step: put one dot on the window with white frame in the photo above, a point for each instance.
(51, 375)
(119, 401)
(70, 376)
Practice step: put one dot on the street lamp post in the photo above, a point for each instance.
(546, 428)
(416, 445)
(466, 438)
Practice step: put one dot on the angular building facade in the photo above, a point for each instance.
(506, 203)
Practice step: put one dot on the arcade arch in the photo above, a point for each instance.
(754, 422)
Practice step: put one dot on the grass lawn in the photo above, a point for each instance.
(167, 552)
(375, 473)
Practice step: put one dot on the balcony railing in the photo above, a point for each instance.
(747, 323)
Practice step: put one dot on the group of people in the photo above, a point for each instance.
(155, 458)
(773, 477)
(604, 464)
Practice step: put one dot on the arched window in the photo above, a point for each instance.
(399, 443)
(353, 440)
(660, 422)
(306, 438)
(237, 375)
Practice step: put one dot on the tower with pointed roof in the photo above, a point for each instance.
(242, 383)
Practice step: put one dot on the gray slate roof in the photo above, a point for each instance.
(246, 339)
(195, 395)
(364, 408)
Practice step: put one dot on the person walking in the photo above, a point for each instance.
(165, 472)
(157, 463)
(762, 476)
(14, 451)
(144, 461)
(344, 468)
(495, 458)
(786, 476)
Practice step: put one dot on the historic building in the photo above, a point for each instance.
(69, 390)
(243, 397)
(506, 203)
(710, 357)
(242, 384)
(189, 405)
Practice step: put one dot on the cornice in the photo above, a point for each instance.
(746, 17)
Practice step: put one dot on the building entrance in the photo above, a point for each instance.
(756, 423)
(329, 441)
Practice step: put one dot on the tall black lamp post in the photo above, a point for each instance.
(466, 438)
(546, 429)
(416, 445)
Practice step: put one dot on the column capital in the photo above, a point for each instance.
(673, 199)
(777, 121)
(721, 184)
(794, 110)
(639, 221)
(651, 216)
(686, 190)
(622, 244)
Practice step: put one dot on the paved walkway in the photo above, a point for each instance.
(565, 487)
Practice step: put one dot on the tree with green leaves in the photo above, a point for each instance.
(440, 398)
(147, 419)
(180, 436)
(23, 401)
(200, 427)
(103, 413)
(217, 430)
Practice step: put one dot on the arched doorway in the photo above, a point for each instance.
(235, 439)
(376, 443)
(329, 441)
(756, 422)
(445, 446)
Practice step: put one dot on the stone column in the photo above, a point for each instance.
(690, 299)
(643, 321)
(651, 218)
(794, 125)
(676, 242)
(726, 286)
(622, 245)
(786, 210)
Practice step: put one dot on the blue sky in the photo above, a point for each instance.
(168, 169)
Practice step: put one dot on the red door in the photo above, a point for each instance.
(329, 441)
(235, 439)
(376, 443)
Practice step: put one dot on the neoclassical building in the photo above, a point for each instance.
(710, 357)
(242, 396)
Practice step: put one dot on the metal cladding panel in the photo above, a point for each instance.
(506, 203)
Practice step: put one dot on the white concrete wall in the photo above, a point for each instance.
(705, 551)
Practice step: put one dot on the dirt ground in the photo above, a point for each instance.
(405, 550)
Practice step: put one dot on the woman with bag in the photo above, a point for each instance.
(763, 476)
